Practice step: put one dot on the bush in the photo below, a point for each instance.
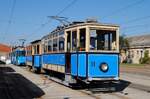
(124, 61)
(145, 59)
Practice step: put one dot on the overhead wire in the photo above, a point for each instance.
(123, 8)
(50, 20)
(134, 26)
(136, 19)
(130, 21)
(9, 20)
(125, 27)
(70, 4)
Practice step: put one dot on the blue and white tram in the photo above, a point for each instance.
(18, 56)
(33, 56)
(85, 51)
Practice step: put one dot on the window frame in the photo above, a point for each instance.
(108, 29)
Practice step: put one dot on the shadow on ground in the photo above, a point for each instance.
(106, 87)
(16, 86)
(5, 69)
(1, 62)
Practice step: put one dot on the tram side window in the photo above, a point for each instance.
(54, 44)
(34, 48)
(22, 53)
(68, 41)
(38, 49)
(61, 43)
(82, 39)
(28, 52)
(49, 45)
(61, 33)
(102, 40)
(45, 48)
(74, 40)
(93, 40)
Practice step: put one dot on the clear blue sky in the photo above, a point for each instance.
(27, 16)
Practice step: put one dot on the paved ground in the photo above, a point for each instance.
(132, 86)
(15, 86)
(141, 70)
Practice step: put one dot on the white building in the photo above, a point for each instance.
(138, 45)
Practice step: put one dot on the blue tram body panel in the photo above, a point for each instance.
(78, 65)
(82, 65)
(88, 65)
(37, 61)
(29, 58)
(56, 59)
(74, 64)
(18, 57)
(94, 69)
(21, 60)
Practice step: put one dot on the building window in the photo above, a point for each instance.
(137, 52)
(132, 54)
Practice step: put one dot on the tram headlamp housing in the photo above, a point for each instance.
(104, 67)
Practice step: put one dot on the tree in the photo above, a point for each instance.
(124, 45)
(123, 42)
(146, 58)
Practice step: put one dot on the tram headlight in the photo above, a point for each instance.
(104, 67)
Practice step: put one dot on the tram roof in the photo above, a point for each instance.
(78, 24)
(35, 41)
(91, 24)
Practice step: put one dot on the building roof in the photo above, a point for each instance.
(142, 40)
(4, 48)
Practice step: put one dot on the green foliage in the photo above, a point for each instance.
(146, 58)
(123, 42)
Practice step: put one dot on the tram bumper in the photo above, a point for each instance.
(103, 79)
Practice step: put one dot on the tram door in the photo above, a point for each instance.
(68, 54)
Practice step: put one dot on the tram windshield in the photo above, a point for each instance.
(102, 40)
(20, 53)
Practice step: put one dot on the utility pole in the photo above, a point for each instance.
(22, 42)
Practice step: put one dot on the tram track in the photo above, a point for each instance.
(86, 91)
(89, 94)
(98, 95)
(120, 95)
(93, 95)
